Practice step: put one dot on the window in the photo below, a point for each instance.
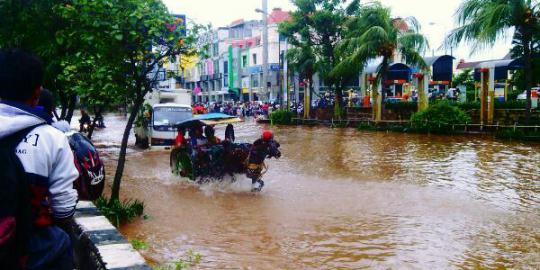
(225, 67)
(255, 80)
(216, 67)
(254, 59)
(244, 61)
(216, 49)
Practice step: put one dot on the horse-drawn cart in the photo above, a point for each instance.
(204, 159)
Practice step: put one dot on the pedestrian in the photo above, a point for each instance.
(229, 133)
(47, 166)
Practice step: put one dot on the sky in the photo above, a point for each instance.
(435, 16)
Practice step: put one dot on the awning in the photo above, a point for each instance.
(222, 121)
(399, 71)
(501, 68)
(442, 67)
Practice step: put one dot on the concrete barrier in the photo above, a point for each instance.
(98, 245)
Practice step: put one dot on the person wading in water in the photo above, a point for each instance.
(259, 151)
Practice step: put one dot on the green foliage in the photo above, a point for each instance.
(439, 118)
(372, 33)
(138, 244)
(281, 117)
(483, 22)
(119, 212)
(144, 116)
(470, 95)
(104, 52)
(518, 134)
(191, 259)
(512, 94)
(512, 104)
(367, 126)
(467, 106)
(401, 106)
(510, 134)
(466, 78)
(339, 124)
(315, 28)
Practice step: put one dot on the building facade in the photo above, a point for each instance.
(231, 67)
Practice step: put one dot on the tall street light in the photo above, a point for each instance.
(264, 13)
(265, 48)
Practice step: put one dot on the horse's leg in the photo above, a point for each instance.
(256, 182)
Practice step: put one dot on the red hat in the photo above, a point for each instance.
(267, 135)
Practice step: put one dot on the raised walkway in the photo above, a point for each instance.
(99, 245)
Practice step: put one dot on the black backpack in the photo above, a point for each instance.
(15, 209)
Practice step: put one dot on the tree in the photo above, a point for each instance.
(105, 52)
(483, 22)
(372, 33)
(38, 26)
(465, 78)
(314, 31)
(144, 36)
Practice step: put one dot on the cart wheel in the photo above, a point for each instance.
(184, 165)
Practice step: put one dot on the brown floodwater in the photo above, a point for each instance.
(345, 199)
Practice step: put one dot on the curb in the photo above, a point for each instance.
(99, 245)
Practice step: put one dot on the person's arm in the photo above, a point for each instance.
(63, 197)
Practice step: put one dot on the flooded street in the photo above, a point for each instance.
(344, 199)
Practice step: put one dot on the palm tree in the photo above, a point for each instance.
(483, 22)
(373, 34)
(301, 61)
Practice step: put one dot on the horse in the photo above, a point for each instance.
(213, 162)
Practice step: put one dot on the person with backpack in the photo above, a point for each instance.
(37, 172)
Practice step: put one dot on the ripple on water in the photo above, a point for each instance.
(345, 199)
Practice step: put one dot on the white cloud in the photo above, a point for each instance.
(435, 16)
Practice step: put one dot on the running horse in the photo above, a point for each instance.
(213, 163)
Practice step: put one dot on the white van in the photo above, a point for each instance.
(162, 130)
(168, 107)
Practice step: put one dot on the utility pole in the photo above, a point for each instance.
(265, 47)
(285, 77)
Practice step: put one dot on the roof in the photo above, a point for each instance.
(431, 60)
(510, 63)
(468, 65)
(374, 66)
(236, 23)
(401, 24)
(278, 16)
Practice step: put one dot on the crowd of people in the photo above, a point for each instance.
(240, 109)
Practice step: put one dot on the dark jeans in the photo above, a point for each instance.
(50, 248)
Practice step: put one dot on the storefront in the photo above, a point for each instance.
(441, 72)
(503, 70)
(397, 81)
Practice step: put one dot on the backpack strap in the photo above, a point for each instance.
(15, 210)
(14, 139)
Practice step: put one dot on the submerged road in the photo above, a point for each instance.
(341, 198)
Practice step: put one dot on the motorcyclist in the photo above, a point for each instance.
(99, 120)
(85, 119)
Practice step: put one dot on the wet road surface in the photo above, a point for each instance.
(345, 199)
